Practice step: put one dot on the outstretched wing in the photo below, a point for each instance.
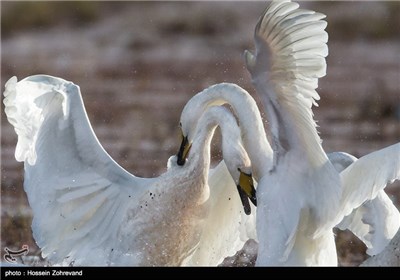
(78, 193)
(227, 227)
(376, 221)
(365, 178)
(290, 57)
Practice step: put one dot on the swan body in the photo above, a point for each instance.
(288, 220)
(303, 197)
(87, 209)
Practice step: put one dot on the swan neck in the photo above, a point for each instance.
(200, 152)
(250, 121)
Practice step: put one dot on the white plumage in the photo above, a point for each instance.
(90, 211)
(245, 108)
(83, 201)
(287, 89)
(253, 138)
(377, 220)
(303, 197)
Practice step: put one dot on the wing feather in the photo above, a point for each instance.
(376, 221)
(290, 57)
(365, 178)
(78, 193)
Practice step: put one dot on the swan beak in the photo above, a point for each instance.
(245, 200)
(183, 151)
(247, 185)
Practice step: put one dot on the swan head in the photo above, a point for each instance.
(191, 115)
(239, 166)
(194, 111)
(235, 156)
(246, 190)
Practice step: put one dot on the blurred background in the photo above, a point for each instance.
(138, 63)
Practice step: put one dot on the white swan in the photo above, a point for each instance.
(254, 141)
(254, 137)
(303, 197)
(90, 211)
(224, 230)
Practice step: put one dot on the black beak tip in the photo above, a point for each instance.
(247, 210)
(180, 161)
(245, 200)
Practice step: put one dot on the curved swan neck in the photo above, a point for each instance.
(199, 156)
(251, 124)
(231, 139)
